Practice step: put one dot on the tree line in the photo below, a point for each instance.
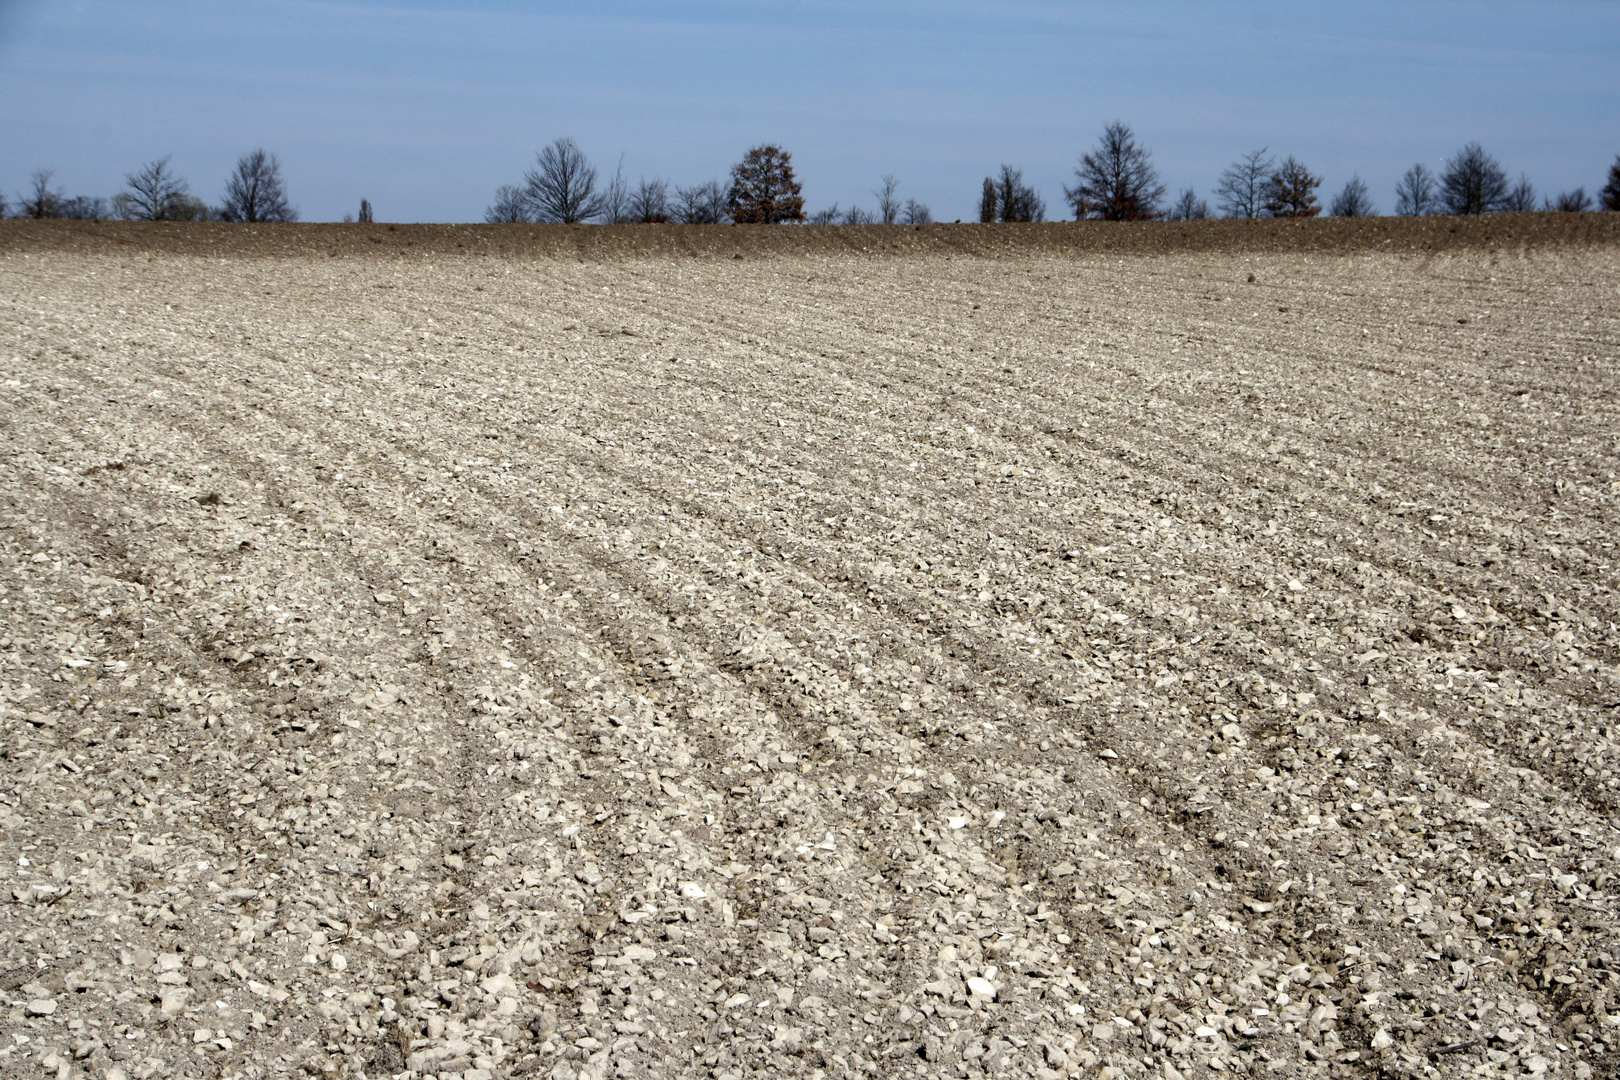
(562, 188)
(1114, 181)
(254, 192)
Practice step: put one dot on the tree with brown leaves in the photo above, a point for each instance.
(763, 189)
(1291, 192)
(1609, 197)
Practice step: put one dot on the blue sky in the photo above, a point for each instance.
(426, 107)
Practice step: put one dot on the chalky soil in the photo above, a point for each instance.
(828, 664)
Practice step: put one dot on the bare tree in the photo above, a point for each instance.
(857, 216)
(1473, 182)
(1189, 207)
(1570, 202)
(255, 191)
(829, 216)
(509, 206)
(988, 203)
(1520, 197)
(701, 204)
(365, 212)
(1241, 189)
(1609, 197)
(41, 201)
(154, 193)
(616, 198)
(1010, 199)
(1117, 181)
(1291, 191)
(1417, 194)
(1353, 201)
(649, 203)
(888, 211)
(561, 188)
(763, 188)
(916, 213)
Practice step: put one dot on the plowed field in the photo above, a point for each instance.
(962, 660)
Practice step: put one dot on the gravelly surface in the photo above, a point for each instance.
(942, 666)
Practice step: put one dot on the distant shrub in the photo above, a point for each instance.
(85, 208)
(916, 213)
(1570, 202)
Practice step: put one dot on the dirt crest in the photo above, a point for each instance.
(1494, 232)
(1027, 664)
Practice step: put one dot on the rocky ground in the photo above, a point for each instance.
(435, 662)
